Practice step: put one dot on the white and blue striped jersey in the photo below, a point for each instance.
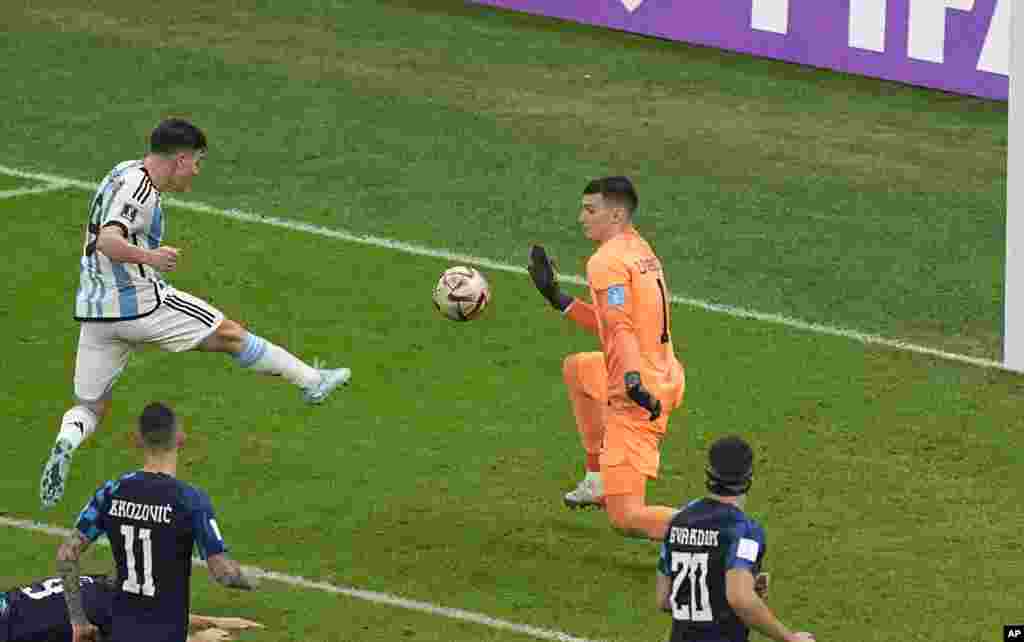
(109, 290)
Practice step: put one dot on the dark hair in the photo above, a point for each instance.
(617, 189)
(158, 427)
(174, 135)
(730, 469)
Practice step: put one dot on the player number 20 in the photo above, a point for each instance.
(685, 567)
(131, 583)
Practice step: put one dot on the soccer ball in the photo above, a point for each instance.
(461, 293)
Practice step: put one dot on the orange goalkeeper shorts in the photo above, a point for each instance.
(630, 453)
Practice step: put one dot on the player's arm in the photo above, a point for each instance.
(624, 355)
(68, 567)
(662, 591)
(229, 573)
(212, 548)
(113, 243)
(87, 530)
(749, 607)
(226, 623)
(663, 582)
(744, 556)
(545, 279)
(125, 217)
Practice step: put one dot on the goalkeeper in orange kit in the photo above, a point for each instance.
(622, 396)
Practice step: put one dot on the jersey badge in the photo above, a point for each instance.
(617, 295)
(128, 213)
(747, 549)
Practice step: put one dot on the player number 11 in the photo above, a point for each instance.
(131, 583)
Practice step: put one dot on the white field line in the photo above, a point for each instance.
(419, 250)
(369, 596)
(24, 191)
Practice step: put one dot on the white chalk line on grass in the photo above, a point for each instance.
(361, 594)
(419, 250)
(25, 191)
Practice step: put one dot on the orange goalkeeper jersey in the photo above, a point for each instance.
(630, 313)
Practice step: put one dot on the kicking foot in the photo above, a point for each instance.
(329, 380)
(55, 474)
(589, 493)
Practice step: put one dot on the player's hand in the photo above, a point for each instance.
(84, 632)
(231, 623)
(802, 636)
(210, 635)
(636, 391)
(761, 585)
(165, 258)
(545, 279)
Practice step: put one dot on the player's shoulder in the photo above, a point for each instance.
(134, 181)
(110, 487)
(193, 497)
(746, 526)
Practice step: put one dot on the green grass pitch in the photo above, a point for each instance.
(887, 481)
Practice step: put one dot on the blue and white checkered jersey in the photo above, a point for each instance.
(109, 290)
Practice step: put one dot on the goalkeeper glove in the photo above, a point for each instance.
(542, 271)
(636, 391)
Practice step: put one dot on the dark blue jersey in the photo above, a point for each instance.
(704, 541)
(38, 613)
(152, 521)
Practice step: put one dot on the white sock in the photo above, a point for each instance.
(260, 355)
(77, 424)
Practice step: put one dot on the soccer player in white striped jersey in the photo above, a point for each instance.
(123, 301)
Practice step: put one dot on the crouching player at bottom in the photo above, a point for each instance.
(152, 520)
(36, 612)
(709, 575)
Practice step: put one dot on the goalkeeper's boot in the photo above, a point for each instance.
(55, 474)
(589, 493)
(329, 380)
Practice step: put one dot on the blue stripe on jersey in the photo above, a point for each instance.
(127, 298)
(100, 290)
(156, 228)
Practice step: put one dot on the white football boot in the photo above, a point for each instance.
(589, 493)
(329, 380)
(55, 474)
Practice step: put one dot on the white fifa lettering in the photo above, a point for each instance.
(926, 39)
(770, 15)
(995, 55)
(867, 24)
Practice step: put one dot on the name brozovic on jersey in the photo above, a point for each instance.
(112, 291)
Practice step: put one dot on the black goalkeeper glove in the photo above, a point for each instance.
(542, 271)
(636, 391)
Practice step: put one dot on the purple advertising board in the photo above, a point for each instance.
(961, 46)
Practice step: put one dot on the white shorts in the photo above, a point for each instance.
(181, 323)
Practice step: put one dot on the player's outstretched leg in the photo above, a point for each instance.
(78, 423)
(259, 355)
(631, 517)
(587, 382)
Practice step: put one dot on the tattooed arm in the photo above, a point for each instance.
(68, 556)
(228, 572)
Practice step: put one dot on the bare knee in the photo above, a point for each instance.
(228, 337)
(619, 515)
(619, 522)
(624, 515)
